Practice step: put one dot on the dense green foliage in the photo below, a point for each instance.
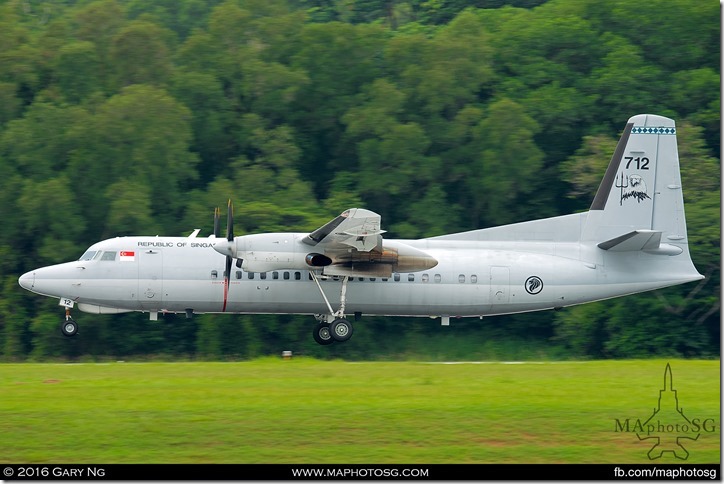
(134, 117)
(310, 411)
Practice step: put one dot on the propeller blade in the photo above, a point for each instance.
(230, 222)
(217, 216)
(229, 259)
(227, 274)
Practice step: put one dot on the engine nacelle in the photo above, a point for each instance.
(285, 251)
(317, 260)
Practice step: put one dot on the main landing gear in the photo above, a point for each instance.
(333, 326)
(68, 327)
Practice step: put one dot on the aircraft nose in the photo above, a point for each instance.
(27, 280)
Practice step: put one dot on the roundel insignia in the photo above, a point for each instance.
(533, 285)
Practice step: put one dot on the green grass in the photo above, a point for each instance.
(308, 411)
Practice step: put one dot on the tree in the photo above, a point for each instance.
(584, 171)
(339, 59)
(692, 24)
(140, 54)
(443, 74)
(77, 70)
(98, 22)
(212, 115)
(19, 58)
(506, 166)
(616, 82)
(53, 220)
(141, 134)
(442, 115)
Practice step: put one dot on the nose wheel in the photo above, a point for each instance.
(68, 327)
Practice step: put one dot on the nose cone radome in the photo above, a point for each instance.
(27, 280)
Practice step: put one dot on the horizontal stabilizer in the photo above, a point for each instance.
(648, 241)
(636, 240)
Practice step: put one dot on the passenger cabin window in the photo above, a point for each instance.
(474, 279)
(297, 276)
(251, 275)
(238, 274)
(286, 276)
(396, 278)
(461, 278)
(109, 255)
(262, 275)
(214, 274)
(438, 278)
(411, 277)
(275, 275)
(88, 255)
(425, 278)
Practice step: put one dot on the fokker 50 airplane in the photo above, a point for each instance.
(632, 239)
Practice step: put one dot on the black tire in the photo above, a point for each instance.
(322, 334)
(341, 329)
(69, 328)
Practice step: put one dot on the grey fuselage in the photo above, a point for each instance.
(551, 269)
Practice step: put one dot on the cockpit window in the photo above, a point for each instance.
(109, 255)
(88, 255)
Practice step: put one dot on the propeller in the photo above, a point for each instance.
(230, 239)
(225, 247)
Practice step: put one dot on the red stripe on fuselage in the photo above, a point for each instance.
(226, 294)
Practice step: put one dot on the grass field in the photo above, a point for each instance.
(308, 411)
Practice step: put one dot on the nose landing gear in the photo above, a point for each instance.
(68, 327)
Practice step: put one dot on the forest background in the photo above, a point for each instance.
(139, 117)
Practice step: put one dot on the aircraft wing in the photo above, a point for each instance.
(351, 245)
(355, 228)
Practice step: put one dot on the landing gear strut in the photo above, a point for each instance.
(69, 327)
(333, 326)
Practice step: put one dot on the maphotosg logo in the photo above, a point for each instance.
(667, 428)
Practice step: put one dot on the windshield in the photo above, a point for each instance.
(88, 255)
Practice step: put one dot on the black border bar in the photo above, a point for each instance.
(341, 472)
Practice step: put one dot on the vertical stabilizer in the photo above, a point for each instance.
(641, 190)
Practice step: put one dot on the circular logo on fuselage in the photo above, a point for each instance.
(533, 285)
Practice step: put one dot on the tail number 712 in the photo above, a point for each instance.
(642, 163)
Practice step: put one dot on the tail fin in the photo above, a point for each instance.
(639, 204)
